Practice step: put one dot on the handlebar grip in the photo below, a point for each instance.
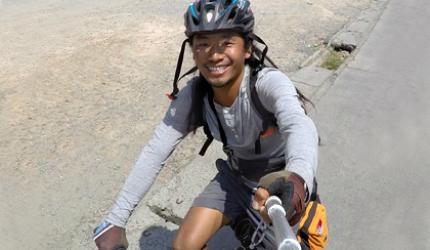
(284, 235)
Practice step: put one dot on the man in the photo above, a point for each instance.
(266, 160)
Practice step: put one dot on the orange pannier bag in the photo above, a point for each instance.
(313, 228)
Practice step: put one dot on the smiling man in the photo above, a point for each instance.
(231, 98)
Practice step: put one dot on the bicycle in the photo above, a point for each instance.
(250, 229)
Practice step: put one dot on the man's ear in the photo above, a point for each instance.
(248, 52)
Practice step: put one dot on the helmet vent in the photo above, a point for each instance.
(195, 21)
(210, 12)
(232, 15)
(195, 12)
(209, 16)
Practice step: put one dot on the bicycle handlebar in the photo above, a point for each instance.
(285, 237)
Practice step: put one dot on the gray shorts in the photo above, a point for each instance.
(231, 194)
(225, 194)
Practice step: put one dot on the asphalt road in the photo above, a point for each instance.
(375, 128)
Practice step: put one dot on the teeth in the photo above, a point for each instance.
(218, 69)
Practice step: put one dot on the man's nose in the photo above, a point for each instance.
(216, 53)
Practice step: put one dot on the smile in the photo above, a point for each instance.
(217, 69)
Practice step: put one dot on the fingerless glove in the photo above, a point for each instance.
(290, 188)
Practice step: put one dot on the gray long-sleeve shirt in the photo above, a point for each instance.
(295, 137)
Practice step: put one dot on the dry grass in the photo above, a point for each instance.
(334, 59)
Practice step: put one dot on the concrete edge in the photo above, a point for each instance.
(350, 38)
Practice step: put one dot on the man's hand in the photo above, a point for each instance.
(289, 187)
(260, 197)
(112, 239)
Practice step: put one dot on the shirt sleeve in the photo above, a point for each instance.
(172, 129)
(279, 96)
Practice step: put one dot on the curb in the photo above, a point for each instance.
(314, 80)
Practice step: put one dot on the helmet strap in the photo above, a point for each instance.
(178, 70)
(258, 39)
(264, 52)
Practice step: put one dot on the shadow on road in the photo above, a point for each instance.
(156, 237)
(161, 238)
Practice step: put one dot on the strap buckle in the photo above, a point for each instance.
(228, 151)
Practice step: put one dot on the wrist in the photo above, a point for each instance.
(101, 229)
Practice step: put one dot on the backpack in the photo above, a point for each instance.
(313, 228)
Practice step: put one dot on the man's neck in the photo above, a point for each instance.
(226, 95)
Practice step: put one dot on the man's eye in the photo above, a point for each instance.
(202, 44)
(228, 44)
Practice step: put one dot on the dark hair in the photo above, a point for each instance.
(200, 86)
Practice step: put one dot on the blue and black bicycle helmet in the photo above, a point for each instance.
(216, 15)
(213, 15)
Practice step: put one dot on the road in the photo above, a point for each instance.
(82, 87)
(374, 122)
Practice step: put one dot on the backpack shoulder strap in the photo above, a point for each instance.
(269, 119)
(264, 114)
(209, 139)
(207, 131)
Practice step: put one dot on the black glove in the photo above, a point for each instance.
(290, 188)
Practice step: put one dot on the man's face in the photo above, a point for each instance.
(220, 57)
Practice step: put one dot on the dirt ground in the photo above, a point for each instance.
(82, 85)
